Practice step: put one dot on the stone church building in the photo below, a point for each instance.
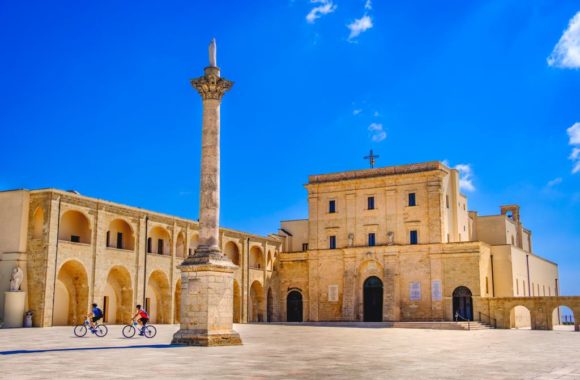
(387, 244)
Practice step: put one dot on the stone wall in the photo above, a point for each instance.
(89, 271)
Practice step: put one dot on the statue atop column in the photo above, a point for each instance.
(212, 53)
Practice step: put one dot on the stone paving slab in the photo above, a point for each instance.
(295, 351)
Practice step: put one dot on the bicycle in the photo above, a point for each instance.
(148, 330)
(100, 330)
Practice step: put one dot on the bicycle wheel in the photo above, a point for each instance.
(101, 330)
(129, 331)
(150, 331)
(80, 330)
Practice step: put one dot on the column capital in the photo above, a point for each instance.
(211, 85)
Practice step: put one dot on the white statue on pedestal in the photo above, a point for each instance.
(212, 53)
(16, 279)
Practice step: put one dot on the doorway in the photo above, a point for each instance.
(373, 299)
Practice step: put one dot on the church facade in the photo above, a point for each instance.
(386, 244)
(399, 244)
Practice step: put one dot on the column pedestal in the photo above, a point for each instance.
(206, 303)
(14, 306)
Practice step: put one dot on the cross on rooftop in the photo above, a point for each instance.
(372, 158)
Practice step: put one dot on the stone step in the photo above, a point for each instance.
(475, 325)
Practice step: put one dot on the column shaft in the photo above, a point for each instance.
(209, 200)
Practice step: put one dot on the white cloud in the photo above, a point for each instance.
(465, 177)
(574, 135)
(356, 111)
(359, 25)
(566, 53)
(325, 7)
(378, 134)
(554, 182)
(368, 5)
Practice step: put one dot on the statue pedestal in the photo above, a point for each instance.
(207, 304)
(14, 306)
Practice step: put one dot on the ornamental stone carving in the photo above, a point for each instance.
(16, 279)
(211, 86)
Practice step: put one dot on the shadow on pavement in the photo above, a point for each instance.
(18, 352)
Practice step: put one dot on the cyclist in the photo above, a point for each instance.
(143, 318)
(95, 314)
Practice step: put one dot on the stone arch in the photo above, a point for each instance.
(180, 245)
(38, 223)
(177, 302)
(294, 306)
(158, 297)
(373, 299)
(75, 227)
(269, 261)
(237, 316)
(563, 318)
(462, 304)
(256, 257)
(232, 251)
(269, 306)
(72, 294)
(120, 235)
(159, 241)
(520, 317)
(368, 268)
(118, 296)
(257, 309)
(193, 242)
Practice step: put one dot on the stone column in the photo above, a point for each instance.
(207, 276)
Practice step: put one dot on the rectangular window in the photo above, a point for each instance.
(371, 239)
(371, 203)
(331, 207)
(413, 238)
(332, 242)
(149, 246)
(412, 200)
(517, 287)
(108, 238)
(119, 240)
(75, 239)
(486, 285)
(447, 201)
(304, 247)
(159, 246)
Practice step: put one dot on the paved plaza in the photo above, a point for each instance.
(295, 351)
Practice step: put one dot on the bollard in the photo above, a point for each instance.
(28, 319)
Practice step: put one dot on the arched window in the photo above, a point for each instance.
(256, 258)
(160, 242)
(74, 227)
(120, 235)
(232, 252)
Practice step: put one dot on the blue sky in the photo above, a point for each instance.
(95, 96)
